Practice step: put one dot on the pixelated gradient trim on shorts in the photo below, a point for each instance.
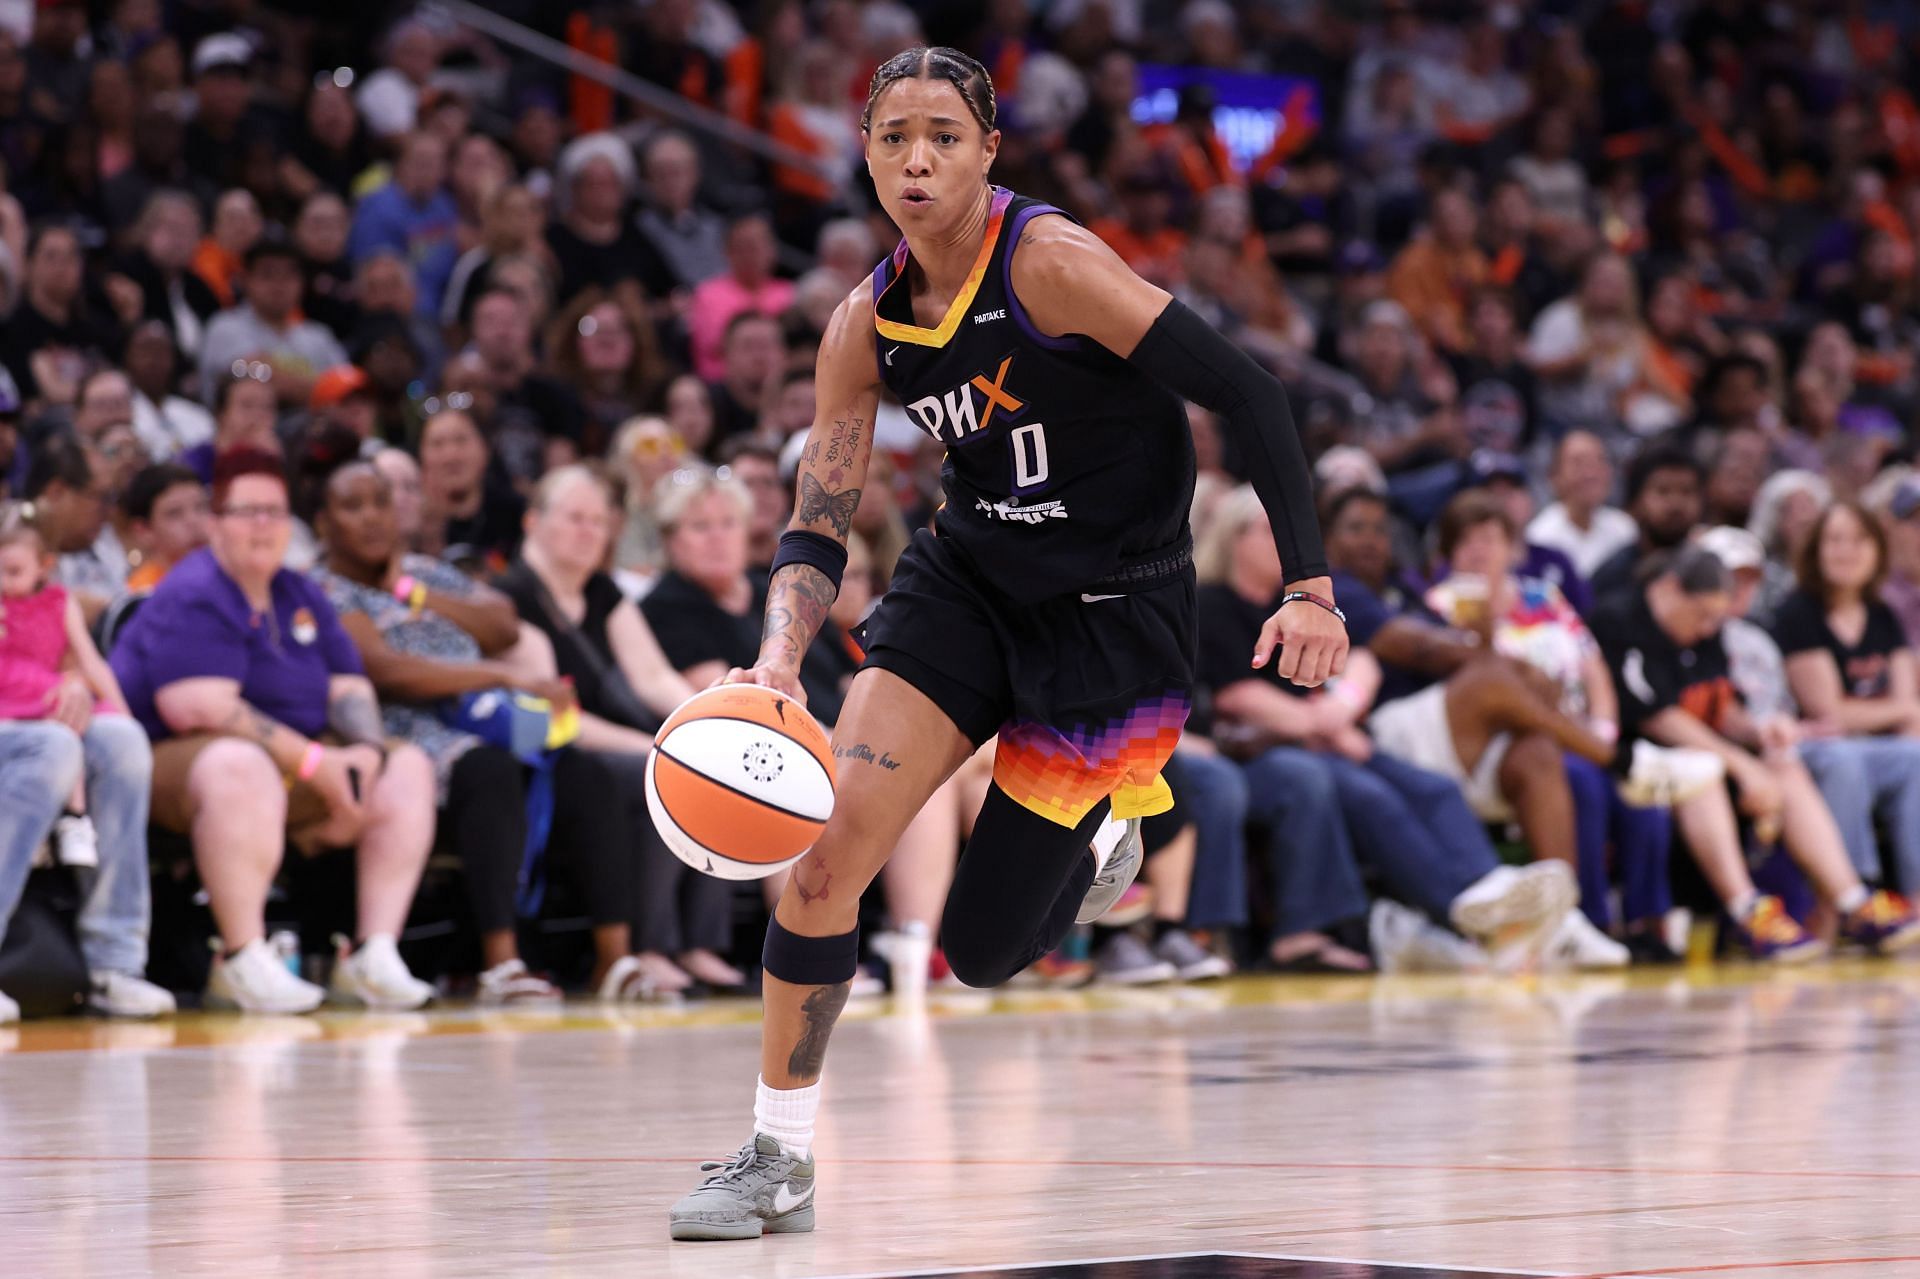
(1062, 773)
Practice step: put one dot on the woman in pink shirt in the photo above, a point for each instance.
(748, 285)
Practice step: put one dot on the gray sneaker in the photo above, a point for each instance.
(1117, 869)
(1126, 961)
(1191, 961)
(761, 1190)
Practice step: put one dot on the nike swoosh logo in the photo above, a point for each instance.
(1095, 599)
(890, 355)
(785, 1201)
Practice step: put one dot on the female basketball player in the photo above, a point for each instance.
(1053, 604)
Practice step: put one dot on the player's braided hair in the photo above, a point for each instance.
(939, 63)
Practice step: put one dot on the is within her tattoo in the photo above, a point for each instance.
(821, 1010)
(836, 509)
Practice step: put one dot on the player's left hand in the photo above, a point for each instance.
(1312, 641)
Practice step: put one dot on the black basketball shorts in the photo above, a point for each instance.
(1086, 691)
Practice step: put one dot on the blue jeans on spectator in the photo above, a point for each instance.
(1865, 777)
(1642, 838)
(1325, 814)
(39, 763)
(1212, 792)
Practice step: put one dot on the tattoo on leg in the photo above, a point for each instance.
(864, 753)
(817, 895)
(821, 1010)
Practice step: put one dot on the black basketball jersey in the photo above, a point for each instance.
(1065, 465)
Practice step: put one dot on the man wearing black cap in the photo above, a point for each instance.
(267, 329)
(225, 124)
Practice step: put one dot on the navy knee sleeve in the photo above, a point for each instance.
(810, 961)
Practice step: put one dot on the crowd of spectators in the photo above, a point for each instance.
(393, 429)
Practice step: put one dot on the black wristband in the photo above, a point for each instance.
(815, 550)
(1311, 598)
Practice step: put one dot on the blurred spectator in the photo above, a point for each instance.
(681, 925)
(243, 417)
(1663, 496)
(602, 346)
(748, 286)
(330, 151)
(1784, 514)
(237, 227)
(645, 451)
(1142, 233)
(1594, 358)
(685, 234)
(1579, 523)
(1901, 590)
(414, 216)
(593, 238)
(267, 329)
(464, 502)
(532, 413)
(389, 99)
(752, 360)
(385, 299)
(1498, 391)
(811, 114)
(65, 734)
(689, 410)
(167, 519)
(512, 222)
(69, 508)
(238, 714)
(1851, 670)
(166, 422)
(226, 127)
(159, 268)
(1549, 170)
(1436, 275)
(53, 333)
(320, 238)
(756, 465)
(1737, 464)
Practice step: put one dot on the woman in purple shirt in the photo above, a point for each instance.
(267, 733)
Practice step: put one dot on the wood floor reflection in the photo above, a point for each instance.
(1726, 1122)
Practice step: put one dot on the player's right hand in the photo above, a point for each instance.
(777, 676)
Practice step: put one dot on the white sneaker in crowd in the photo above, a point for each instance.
(510, 985)
(1515, 898)
(74, 841)
(256, 981)
(1578, 945)
(1405, 941)
(128, 995)
(1662, 776)
(9, 1011)
(377, 977)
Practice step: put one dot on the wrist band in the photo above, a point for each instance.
(403, 588)
(1311, 598)
(417, 598)
(310, 762)
(816, 550)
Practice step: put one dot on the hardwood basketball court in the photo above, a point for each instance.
(1732, 1122)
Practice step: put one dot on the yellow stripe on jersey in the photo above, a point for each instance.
(894, 331)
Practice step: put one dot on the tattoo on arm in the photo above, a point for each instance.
(816, 895)
(864, 753)
(356, 718)
(836, 509)
(245, 721)
(797, 604)
(821, 1010)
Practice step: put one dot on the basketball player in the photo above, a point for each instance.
(1052, 604)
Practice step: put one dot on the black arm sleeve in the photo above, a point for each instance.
(1184, 353)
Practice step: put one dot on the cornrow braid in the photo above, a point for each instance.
(939, 63)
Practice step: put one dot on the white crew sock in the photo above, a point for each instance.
(1742, 906)
(1853, 899)
(787, 1115)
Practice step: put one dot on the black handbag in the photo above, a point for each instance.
(41, 966)
(617, 700)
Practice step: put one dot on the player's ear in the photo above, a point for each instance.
(991, 148)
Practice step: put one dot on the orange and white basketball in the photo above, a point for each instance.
(740, 782)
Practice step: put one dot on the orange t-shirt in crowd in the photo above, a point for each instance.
(1159, 258)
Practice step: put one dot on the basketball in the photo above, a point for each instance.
(740, 782)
